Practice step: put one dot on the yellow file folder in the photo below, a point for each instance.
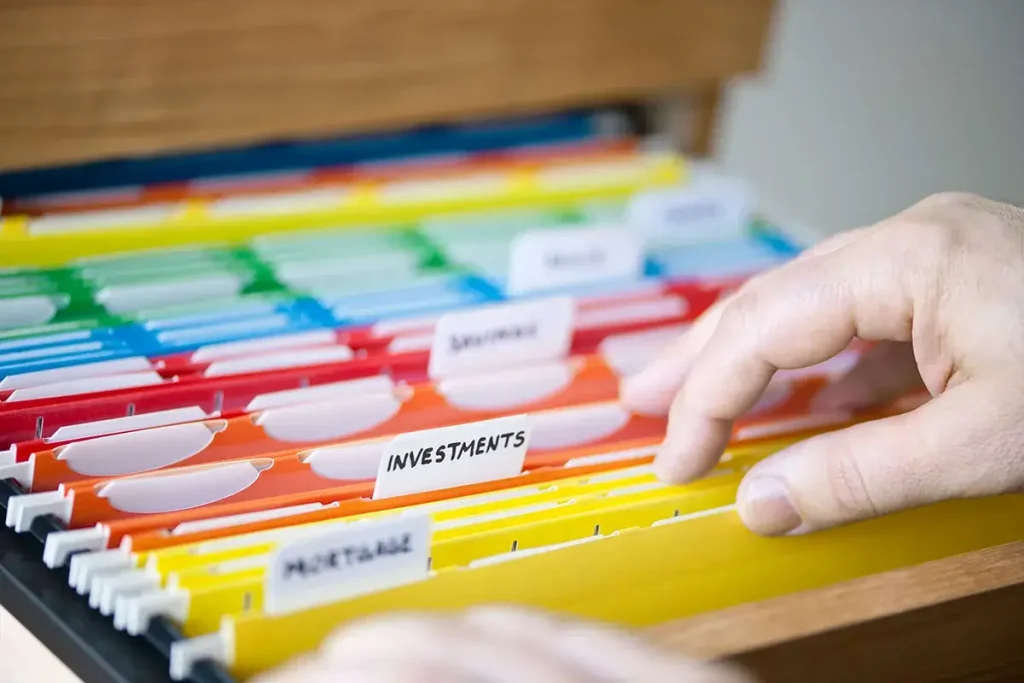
(636, 577)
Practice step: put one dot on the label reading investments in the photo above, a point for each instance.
(444, 458)
(351, 559)
(481, 339)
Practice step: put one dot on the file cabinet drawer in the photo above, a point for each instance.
(86, 79)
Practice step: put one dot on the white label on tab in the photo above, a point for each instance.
(443, 458)
(479, 339)
(711, 209)
(549, 259)
(352, 560)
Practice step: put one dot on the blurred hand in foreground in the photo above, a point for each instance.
(493, 645)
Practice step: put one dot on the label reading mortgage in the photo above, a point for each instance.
(349, 560)
(549, 259)
(503, 336)
(443, 458)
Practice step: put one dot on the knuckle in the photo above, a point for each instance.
(927, 246)
(953, 233)
(969, 211)
(741, 311)
(935, 237)
(946, 200)
(740, 321)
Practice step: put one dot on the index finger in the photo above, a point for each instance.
(653, 390)
(796, 316)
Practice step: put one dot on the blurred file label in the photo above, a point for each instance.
(349, 560)
(544, 260)
(435, 459)
(711, 208)
(503, 336)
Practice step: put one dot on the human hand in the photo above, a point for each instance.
(942, 284)
(493, 645)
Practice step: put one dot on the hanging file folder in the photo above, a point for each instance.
(636, 577)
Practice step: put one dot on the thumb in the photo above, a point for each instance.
(967, 442)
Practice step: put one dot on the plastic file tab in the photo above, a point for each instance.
(710, 208)
(348, 561)
(546, 260)
(483, 338)
(448, 457)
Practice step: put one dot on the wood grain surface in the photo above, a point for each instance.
(957, 619)
(86, 79)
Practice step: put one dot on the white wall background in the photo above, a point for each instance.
(865, 106)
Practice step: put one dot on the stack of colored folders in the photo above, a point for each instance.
(318, 382)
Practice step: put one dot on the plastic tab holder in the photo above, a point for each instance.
(73, 632)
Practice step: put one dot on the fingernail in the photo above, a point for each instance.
(766, 507)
